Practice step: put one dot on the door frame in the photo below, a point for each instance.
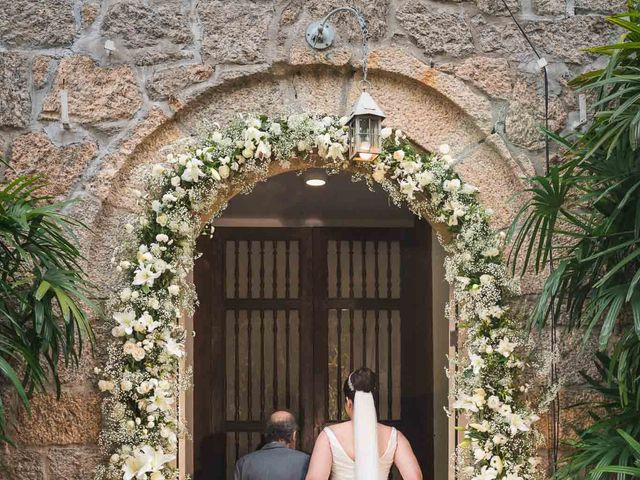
(416, 270)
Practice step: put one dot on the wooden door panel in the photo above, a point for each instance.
(286, 313)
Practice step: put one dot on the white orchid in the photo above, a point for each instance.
(505, 347)
(477, 363)
(192, 172)
(145, 275)
(125, 320)
(408, 187)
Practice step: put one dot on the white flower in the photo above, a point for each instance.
(173, 289)
(169, 434)
(451, 185)
(425, 178)
(479, 396)
(175, 181)
(263, 150)
(275, 128)
(491, 252)
(505, 347)
(162, 219)
(144, 275)
(513, 476)
(487, 473)
(386, 132)
(159, 401)
(486, 279)
(479, 455)
(379, 174)
(224, 171)
(465, 402)
(499, 439)
(162, 238)
(128, 228)
(192, 172)
(444, 149)
(493, 402)
(468, 189)
(138, 465)
(496, 462)
(125, 294)
(481, 427)
(477, 363)
(335, 151)
(408, 187)
(254, 123)
(125, 320)
(105, 385)
(126, 385)
(517, 424)
(174, 348)
(216, 137)
(398, 155)
(157, 170)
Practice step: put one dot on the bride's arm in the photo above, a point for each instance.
(321, 458)
(406, 461)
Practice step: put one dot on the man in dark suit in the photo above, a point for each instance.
(278, 459)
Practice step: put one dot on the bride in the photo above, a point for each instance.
(361, 448)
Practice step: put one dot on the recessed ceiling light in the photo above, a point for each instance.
(315, 182)
(315, 178)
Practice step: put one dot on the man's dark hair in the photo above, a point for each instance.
(280, 428)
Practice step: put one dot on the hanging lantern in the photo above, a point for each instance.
(364, 123)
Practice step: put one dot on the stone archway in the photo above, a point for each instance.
(404, 97)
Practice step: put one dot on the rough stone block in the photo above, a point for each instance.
(436, 32)
(96, 94)
(15, 99)
(496, 7)
(73, 463)
(494, 76)
(89, 13)
(549, 7)
(21, 464)
(34, 153)
(40, 70)
(601, 6)
(376, 12)
(34, 23)
(138, 24)
(73, 419)
(235, 32)
(170, 81)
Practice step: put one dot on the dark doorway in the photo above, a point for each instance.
(286, 313)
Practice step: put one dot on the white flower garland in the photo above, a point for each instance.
(141, 376)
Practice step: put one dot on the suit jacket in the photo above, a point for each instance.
(274, 461)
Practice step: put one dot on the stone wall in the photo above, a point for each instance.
(448, 70)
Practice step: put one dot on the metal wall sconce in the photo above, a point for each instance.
(365, 120)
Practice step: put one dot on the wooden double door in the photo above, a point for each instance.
(286, 313)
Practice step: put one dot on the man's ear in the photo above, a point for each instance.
(294, 437)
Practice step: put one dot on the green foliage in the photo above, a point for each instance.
(584, 214)
(600, 446)
(44, 296)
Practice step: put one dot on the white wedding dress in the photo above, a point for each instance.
(343, 467)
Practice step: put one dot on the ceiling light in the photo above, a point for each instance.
(315, 178)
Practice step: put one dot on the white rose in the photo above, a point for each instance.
(499, 439)
(486, 279)
(398, 155)
(224, 171)
(491, 252)
(173, 290)
(125, 294)
(175, 181)
(115, 458)
(126, 385)
(425, 178)
(386, 132)
(162, 238)
(105, 385)
(162, 219)
(451, 185)
(157, 170)
(275, 128)
(378, 174)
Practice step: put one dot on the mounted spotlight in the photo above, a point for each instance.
(366, 116)
(315, 178)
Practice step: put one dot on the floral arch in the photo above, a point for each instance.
(141, 378)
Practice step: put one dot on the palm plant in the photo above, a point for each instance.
(621, 469)
(43, 294)
(583, 216)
